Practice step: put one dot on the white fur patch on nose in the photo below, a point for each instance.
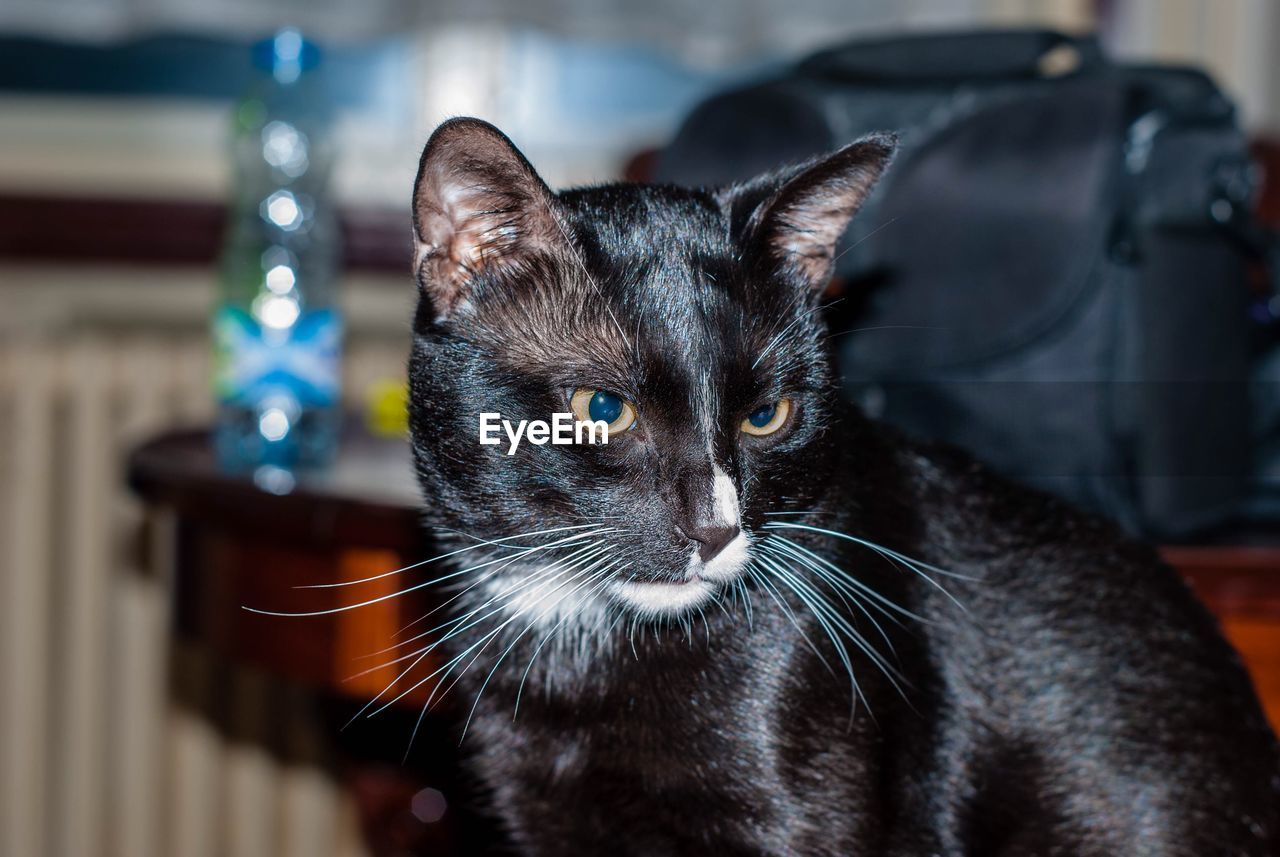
(724, 497)
(728, 563)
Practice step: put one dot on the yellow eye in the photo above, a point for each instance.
(767, 419)
(601, 405)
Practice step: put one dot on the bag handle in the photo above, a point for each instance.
(993, 54)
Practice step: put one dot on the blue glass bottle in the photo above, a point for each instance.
(277, 331)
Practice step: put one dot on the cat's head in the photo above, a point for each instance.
(685, 318)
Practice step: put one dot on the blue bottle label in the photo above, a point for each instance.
(252, 362)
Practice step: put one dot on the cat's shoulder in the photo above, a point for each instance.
(1040, 582)
(967, 515)
(950, 490)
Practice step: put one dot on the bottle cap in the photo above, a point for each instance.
(286, 55)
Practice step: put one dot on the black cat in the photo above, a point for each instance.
(756, 622)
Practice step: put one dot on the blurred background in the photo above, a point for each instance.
(138, 717)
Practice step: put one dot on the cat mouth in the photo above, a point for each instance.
(658, 597)
(672, 594)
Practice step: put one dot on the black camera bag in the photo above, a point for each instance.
(1050, 276)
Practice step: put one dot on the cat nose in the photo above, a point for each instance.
(711, 538)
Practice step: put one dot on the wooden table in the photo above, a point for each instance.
(1240, 583)
(239, 545)
(243, 546)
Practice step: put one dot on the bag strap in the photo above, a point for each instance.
(1261, 247)
(992, 54)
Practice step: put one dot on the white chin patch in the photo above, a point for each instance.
(553, 599)
(665, 599)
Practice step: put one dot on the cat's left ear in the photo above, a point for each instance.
(797, 216)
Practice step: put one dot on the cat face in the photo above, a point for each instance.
(685, 318)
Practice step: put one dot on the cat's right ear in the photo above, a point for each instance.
(477, 204)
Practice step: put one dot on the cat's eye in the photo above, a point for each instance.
(603, 406)
(767, 419)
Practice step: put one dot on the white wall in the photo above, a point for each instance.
(1236, 40)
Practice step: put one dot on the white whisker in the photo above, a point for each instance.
(495, 542)
(407, 590)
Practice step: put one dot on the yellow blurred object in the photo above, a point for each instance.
(387, 411)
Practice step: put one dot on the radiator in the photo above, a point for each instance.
(97, 758)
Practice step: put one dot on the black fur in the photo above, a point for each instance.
(1079, 702)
